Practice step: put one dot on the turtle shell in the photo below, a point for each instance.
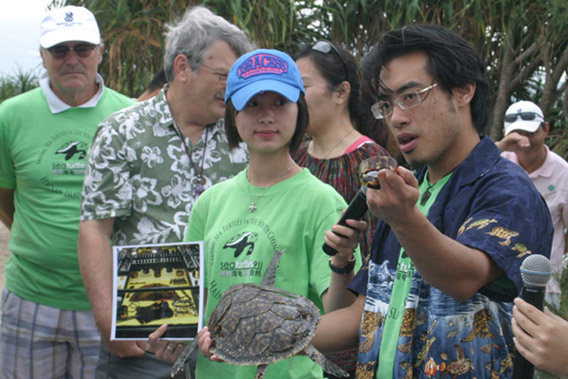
(258, 324)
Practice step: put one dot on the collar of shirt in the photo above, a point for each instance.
(481, 160)
(57, 105)
(547, 167)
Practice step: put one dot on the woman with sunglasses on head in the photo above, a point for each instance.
(337, 146)
(273, 204)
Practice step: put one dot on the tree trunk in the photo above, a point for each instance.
(503, 93)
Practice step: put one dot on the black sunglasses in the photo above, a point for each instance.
(527, 116)
(83, 50)
(325, 47)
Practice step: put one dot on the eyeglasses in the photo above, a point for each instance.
(221, 76)
(527, 116)
(406, 100)
(325, 47)
(83, 50)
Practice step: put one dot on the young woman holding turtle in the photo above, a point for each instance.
(273, 204)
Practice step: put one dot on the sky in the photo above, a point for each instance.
(19, 35)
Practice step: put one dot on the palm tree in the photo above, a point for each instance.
(520, 41)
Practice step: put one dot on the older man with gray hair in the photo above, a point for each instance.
(147, 166)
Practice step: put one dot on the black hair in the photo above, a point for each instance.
(157, 82)
(452, 62)
(374, 128)
(336, 67)
(302, 122)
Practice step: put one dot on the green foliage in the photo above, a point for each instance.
(560, 309)
(132, 32)
(13, 85)
(519, 40)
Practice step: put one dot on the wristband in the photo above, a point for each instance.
(345, 269)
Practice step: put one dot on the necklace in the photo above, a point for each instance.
(334, 146)
(426, 195)
(198, 181)
(254, 200)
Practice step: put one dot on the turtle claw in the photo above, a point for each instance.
(260, 371)
(184, 356)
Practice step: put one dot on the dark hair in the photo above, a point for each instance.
(301, 124)
(157, 82)
(374, 128)
(336, 69)
(452, 62)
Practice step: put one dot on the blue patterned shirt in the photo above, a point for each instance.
(488, 204)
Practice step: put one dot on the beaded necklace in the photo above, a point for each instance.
(199, 180)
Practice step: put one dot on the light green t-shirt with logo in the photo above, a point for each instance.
(43, 158)
(239, 244)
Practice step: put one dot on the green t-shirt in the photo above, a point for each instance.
(291, 215)
(401, 287)
(43, 158)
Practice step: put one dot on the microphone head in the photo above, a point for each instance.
(536, 270)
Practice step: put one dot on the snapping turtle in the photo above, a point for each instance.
(256, 325)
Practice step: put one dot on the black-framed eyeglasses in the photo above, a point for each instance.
(324, 47)
(221, 76)
(527, 116)
(83, 50)
(406, 100)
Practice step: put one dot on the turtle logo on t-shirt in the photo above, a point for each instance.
(241, 242)
(71, 149)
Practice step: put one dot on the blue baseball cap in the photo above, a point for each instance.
(260, 71)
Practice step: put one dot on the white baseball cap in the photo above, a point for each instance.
(69, 24)
(523, 115)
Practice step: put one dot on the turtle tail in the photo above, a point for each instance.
(270, 274)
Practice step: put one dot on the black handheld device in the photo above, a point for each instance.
(355, 211)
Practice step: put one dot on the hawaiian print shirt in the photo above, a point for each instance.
(140, 174)
(484, 205)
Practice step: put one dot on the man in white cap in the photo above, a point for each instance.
(47, 327)
(525, 133)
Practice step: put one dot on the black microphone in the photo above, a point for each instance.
(355, 211)
(536, 270)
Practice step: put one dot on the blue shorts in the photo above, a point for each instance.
(37, 341)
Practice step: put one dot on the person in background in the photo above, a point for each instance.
(148, 165)
(336, 148)
(375, 128)
(155, 86)
(248, 218)
(524, 144)
(47, 327)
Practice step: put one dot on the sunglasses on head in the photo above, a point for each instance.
(325, 47)
(527, 116)
(83, 50)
